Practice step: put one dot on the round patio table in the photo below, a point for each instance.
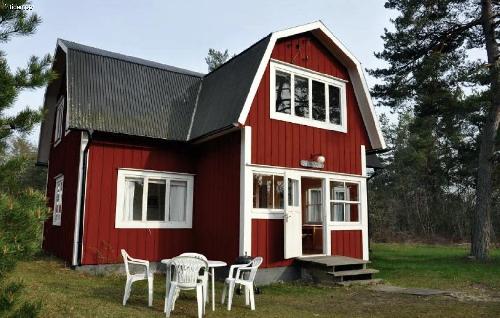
(211, 266)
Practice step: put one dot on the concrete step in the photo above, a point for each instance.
(374, 281)
(355, 272)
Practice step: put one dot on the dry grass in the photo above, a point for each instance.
(67, 293)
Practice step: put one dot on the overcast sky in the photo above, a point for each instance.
(179, 33)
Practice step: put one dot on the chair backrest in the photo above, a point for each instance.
(186, 270)
(200, 256)
(254, 264)
(125, 261)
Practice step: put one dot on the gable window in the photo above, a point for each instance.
(318, 100)
(58, 197)
(344, 201)
(151, 199)
(268, 191)
(59, 121)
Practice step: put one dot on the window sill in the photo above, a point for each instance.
(153, 225)
(307, 122)
(268, 213)
(340, 224)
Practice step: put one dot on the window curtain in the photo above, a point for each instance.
(178, 191)
(314, 207)
(129, 200)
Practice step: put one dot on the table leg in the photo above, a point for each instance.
(213, 289)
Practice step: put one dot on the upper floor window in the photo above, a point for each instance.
(59, 121)
(58, 197)
(151, 199)
(308, 98)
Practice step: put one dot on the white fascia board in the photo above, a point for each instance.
(355, 72)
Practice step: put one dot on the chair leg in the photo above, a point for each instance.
(170, 300)
(230, 295)
(247, 296)
(252, 297)
(126, 293)
(150, 291)
(200, 300)
(176, 295)
(224, 293)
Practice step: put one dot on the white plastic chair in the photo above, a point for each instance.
(204, 276)
(131, 278)
(186, 276)
(231, 281)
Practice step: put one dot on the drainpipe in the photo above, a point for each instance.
(78, 243)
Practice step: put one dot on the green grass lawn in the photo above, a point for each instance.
(435, 266)
(67, 293)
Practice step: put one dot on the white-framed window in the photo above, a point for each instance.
(58, 197)
(59, 121)
(307, 98)
(268, 192)
(345, 204)
(153, 199)
(314, 206)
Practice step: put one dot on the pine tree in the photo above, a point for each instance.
(216, 58)
(445, 31)
(22, 210)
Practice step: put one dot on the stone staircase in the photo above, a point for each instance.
(341, 270)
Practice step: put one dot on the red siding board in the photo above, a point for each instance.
(347, 243)
(64, 159)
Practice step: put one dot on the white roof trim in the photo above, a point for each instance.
(350, 62)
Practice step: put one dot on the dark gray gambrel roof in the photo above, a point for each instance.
(116, 93)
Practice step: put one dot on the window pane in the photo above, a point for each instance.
(262, 191)
(301, 96)
(314, 206)
(337, 211)
(335, 188)
(133, 199)
(352, 191)
(334, 110)
(318, 101)
(352, 212)
(283, 92)
(293, 192)
(177, 200)
(279, 192)
(156, 200)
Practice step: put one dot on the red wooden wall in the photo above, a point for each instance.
(347, 243)
(267, 241)
(64, 159)
(102, 241)
(284, 144)
(217, 198)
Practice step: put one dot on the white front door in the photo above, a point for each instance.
(293, 216)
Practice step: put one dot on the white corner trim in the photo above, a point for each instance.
(363, 160)
(355, 73)
(245, 245)
(83, 144)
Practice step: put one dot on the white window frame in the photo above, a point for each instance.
(345, 202)
(266, 211)
(310, 75)
(58, 131)
(120, 221)
(58, 204)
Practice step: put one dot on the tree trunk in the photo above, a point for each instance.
(481, 228)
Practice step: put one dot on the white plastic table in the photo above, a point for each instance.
(211, 266)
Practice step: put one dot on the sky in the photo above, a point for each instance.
(179, 33)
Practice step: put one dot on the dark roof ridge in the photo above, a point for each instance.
(237, 55)
(127, 58)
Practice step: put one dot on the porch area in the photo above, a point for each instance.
(341, 270)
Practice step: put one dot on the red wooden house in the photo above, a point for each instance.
(264, 156)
